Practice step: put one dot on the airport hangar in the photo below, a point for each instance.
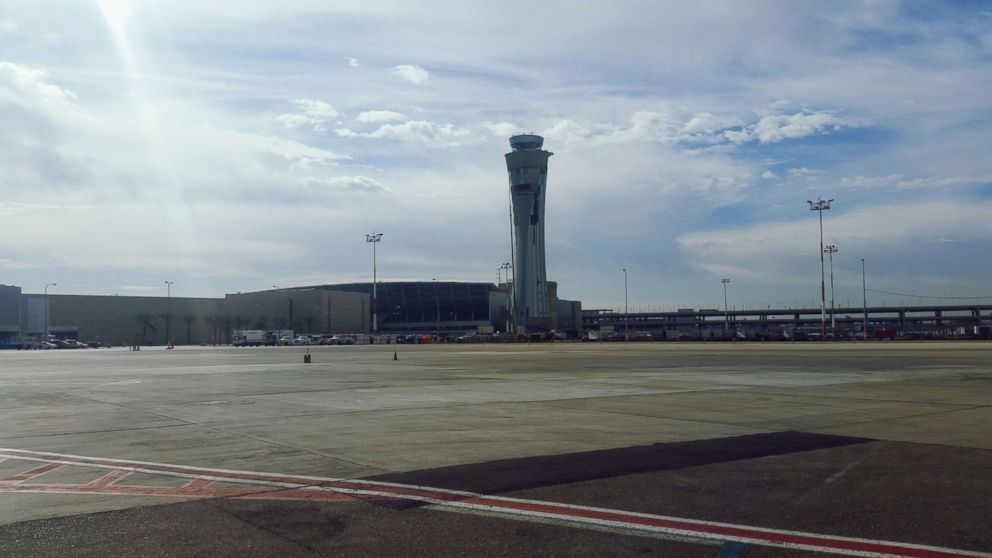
(446, 308)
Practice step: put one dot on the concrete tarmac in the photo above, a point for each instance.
(877, 441)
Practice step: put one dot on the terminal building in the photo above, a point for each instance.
(443, 308)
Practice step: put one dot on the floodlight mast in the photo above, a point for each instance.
(374, 238)
(819, 206)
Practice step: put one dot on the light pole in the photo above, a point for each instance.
(275, 325)
(437, 307)
(168, 310)
(831, 249)
(46, 307)
(726, 314)
(864, 298)
(374, 238)
(819, 206)
(506, 266)
(626, 313)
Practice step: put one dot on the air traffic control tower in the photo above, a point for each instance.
(527, 165)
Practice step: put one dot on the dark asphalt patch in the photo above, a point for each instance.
(497, 477)
(236, 528)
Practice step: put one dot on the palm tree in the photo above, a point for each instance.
(189, 319)
(214, 322)
(167, 317)
(145, 319)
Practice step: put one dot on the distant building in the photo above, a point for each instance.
(447, 308)
(10, 312)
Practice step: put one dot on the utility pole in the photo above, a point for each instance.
(819, 206)
(831, 249)
(374, 238)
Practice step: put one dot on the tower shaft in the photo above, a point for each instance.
(527, 165)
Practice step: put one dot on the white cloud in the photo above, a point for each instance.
(900, 182)
(423, 132)
(774, 128)
(802, 172)
(357, 183)
(379, 116)
(22, 85)
(353, 62)
(501, 129)
(412, 73)
(769, 175)
(312, 112)
(7, 26)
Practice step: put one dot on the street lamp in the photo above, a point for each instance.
(819, 206)
(864, 298)
(726, 314)
(46, 307)
(168, 310)
(374, 238)
(626, 313)
(831, 249)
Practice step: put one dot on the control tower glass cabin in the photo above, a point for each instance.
(527, 165)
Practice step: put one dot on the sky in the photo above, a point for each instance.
(230, 146)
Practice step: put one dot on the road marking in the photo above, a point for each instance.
(32, 473)
(110, 478)
(455, 500)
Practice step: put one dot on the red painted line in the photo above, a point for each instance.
(110, 478)
(35, 472)
(176, 491)
(196, 485)
(458, 500)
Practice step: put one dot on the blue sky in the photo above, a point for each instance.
(231, 146)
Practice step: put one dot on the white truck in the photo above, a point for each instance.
(248, 338)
